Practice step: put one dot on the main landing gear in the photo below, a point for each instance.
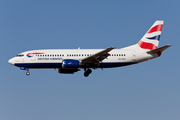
(87, 72)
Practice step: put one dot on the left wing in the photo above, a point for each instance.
(98, 57)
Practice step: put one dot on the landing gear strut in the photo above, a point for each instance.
(87, 72)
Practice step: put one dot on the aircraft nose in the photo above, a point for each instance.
(11, 61)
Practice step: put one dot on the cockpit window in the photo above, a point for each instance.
(19, 55)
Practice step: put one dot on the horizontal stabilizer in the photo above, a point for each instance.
(158, 50)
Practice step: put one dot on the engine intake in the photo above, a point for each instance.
(69, 63)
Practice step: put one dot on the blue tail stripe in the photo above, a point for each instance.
(155, 37)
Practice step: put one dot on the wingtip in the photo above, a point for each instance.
(169, 45)
(111, 47)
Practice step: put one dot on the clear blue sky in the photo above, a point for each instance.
(146, 91)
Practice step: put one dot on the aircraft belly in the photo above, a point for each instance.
(39, 65)
(114, 64)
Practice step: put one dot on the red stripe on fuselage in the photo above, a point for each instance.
(34, 53)
(146, 45)
(156, 28)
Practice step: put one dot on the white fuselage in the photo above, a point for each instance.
(53, 58)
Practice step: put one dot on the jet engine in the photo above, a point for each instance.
(69, 63)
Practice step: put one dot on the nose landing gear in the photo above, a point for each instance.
(27, 69)
(27, 73)
(87, 72)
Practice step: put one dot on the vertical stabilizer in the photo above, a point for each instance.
(151, 39)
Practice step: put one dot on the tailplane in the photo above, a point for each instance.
(158, 50)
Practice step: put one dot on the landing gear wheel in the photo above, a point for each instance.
(27, 73)
(87, 72)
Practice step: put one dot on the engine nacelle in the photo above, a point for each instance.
(69, 63)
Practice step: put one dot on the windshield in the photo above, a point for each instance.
(19, 55)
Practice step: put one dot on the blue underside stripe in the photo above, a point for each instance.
(59, 65)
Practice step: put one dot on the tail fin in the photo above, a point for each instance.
(151, 39)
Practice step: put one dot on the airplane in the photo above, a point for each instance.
(69, 61)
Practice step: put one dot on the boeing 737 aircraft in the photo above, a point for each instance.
(69, 61)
